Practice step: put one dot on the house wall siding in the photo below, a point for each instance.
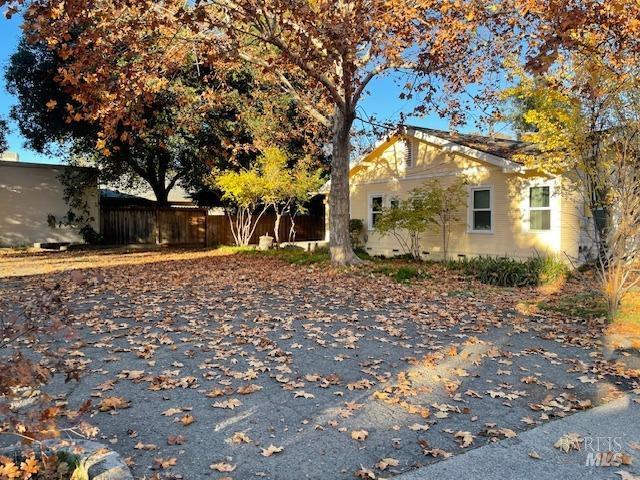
(28, 194)
(385, 174)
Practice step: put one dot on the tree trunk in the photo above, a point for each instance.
(276, 227)
(445, 242)
(292, 230)
(339, 240)
(162, 195)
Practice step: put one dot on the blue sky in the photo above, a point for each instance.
(10, 34)
(383, 101)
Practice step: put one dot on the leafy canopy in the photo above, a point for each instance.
(269, 181)
(284, 184)
(244, 188)
(547, 115)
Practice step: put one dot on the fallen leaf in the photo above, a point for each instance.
(270, 450)
(303, 394)
(568, 442)
(387, 462)
(145, 446)
(171, 411)
(587, 379)
(247, 389)
(222, 467)
(230, 404)
(365, 473)
(113, 403)
(240, 437)
(187, 420)
(164, 463)
(175, 440)
(627, 475)
(417, 426)
(465, 438)
(359, 435)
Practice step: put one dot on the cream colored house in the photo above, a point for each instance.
(29, 193)
(511, 210)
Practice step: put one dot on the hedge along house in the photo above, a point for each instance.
(511, 210)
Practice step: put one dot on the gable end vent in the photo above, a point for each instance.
(408, 153)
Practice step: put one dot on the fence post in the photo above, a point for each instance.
(206, 229)
(158, 229)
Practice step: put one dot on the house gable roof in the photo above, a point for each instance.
(496, 151)
(504, 148)
(500, 152)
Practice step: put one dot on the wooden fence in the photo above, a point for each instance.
(192, 226)
(164, 226)
(307, 229)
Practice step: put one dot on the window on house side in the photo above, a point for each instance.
(539, 208)
(375, 209)
(481, 215)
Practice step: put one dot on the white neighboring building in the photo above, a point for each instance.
(9, 157)
(29, 193)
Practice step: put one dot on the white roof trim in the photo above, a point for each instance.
(449, 146)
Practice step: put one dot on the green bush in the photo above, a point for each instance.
(404, 274)
(508, 272)
(362, 254)
(90, 236)
(356, 227)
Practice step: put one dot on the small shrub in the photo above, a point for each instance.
(406, 274)
(508, 272)
(356, 227)
(404, 256)
(362, 254)
(60, 465)
(403, 274)
(90, 236)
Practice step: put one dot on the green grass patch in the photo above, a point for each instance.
(629, 312)
(467, 293)
(295, 255)
(588, 305)
(402, 274)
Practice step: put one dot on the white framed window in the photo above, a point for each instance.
(376, 202)
(481, 209)
(540, 208)
(409, 159)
